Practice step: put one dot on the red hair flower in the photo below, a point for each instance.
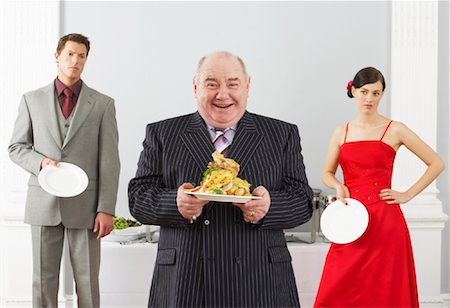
(349, 84)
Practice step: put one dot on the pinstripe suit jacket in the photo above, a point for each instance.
(220, 260)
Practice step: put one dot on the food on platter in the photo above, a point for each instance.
(221, 178)
(126, 231)
(122, 223)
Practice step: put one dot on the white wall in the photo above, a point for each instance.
(28, 34)
(443, 144)
(300, 56)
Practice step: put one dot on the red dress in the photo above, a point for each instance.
(376, 270)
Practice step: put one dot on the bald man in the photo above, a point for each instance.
(213, 254)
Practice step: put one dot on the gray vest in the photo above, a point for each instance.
(63, 123)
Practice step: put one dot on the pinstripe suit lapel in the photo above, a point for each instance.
(246, 141)
(198, 142)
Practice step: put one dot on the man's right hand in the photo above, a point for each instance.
(189, 206)
(47, 161)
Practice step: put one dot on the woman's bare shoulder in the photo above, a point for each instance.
(339, 133)
(400, 128)
(340, 129)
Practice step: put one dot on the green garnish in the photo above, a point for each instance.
(218, 191)
(208, 171)
(122, 223)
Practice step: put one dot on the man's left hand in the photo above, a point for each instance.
(255, 209)
(103, 224)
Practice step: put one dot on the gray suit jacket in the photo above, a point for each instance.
(91, 143)
(220, 260)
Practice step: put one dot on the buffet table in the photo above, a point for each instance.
(126, 272)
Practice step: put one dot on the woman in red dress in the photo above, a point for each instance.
(376, 270)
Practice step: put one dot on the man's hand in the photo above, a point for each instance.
(189, 206)
(103, 224)
(47, 161)
(255, 209)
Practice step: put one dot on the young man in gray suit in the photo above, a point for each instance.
(213, 254)
(66, 121)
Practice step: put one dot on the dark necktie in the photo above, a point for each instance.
(221, 142)
(67, 105)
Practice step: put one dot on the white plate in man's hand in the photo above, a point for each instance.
(220, 197)
(342, 224)
(66, 180)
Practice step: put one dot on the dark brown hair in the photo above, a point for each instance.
(365, 76)
(73, 37)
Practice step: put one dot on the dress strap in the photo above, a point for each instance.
(346, 131)
(387, 127)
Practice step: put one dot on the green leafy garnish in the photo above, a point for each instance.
(122, 223)
(218, 191)
(208, 171)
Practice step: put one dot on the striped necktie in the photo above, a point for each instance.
(221, 142)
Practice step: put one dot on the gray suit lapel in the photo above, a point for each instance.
(246, 141)
(50, 112)
(198, 142)
(84, 106)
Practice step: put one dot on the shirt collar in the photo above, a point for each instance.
(60, 86)
(212, 131)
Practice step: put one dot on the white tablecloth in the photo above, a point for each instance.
(126, 272)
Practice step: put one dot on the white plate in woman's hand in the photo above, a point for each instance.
(342, 224)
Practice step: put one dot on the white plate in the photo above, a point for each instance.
(127, 234)
(122, 238)
(342, 223)
(67, 180)
(221, 198)
(129, 231)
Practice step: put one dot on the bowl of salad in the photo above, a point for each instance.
(126, 227)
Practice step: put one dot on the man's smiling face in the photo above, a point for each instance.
(221, 87)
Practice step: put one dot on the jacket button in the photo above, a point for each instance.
(206, 222)
(237, 260)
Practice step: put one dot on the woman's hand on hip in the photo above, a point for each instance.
(393, 196)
